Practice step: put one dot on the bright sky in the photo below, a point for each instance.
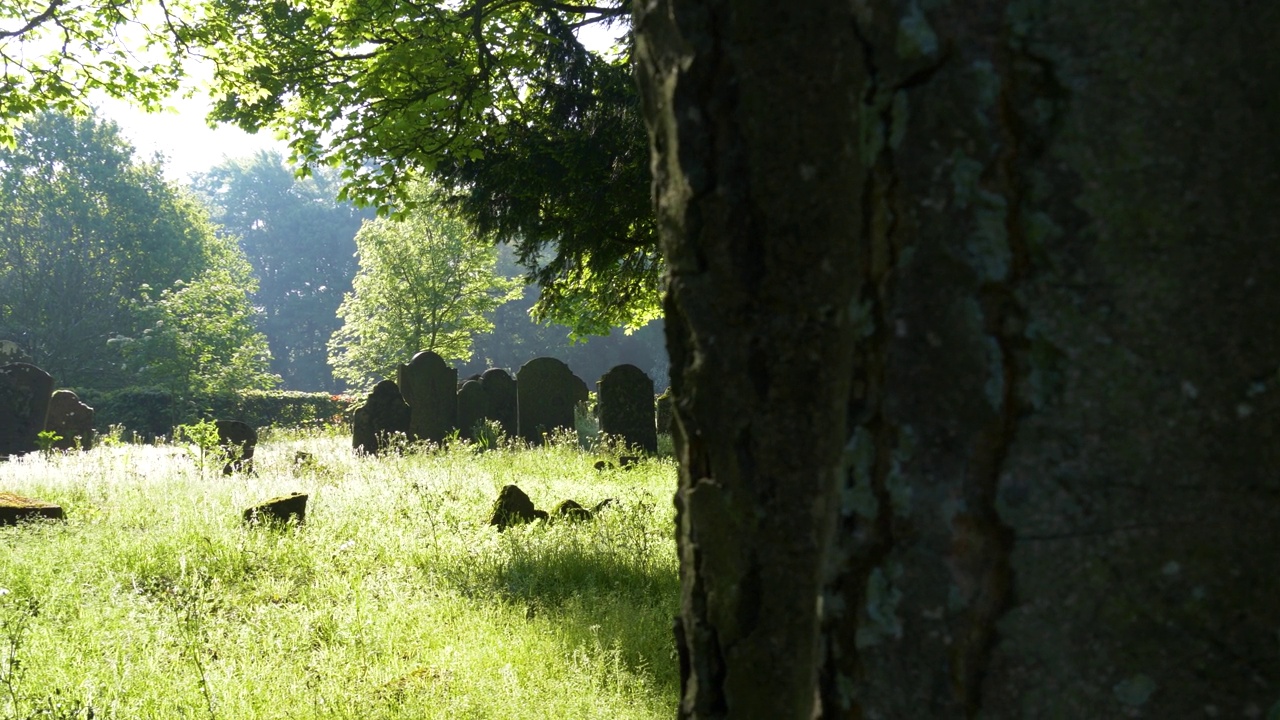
(188, 144)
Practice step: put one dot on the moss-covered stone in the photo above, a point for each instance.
(570, 510)
(280, 510)
(511, 507)
(16, 508)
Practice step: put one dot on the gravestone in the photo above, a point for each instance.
(16, 508)
(500, 399)
(471, 408)
(625, 397)
(279, 510)
(71, 419)
(513, 506)
(382, 414)
(236, 441)
(430, 387)
(666, 412)
(546, 391)
(24, 404)
(12, 352)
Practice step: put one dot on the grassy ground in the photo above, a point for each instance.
(393, 600)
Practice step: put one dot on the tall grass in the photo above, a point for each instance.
(394, 600)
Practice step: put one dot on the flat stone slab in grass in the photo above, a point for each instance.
(570, 510)
(279, 509)
(16, 508)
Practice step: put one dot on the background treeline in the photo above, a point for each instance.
(153, 299)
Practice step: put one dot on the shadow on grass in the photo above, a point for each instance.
(607, 585)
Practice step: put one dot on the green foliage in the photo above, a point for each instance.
(396, 600)
(83, 228)
(201, 338)
(45, 440)
(300, 243)
(425, 283)
(153, 412)
(203, 439)
(149, 412)
(282, 409)
(517, 338)
(52, 54)
(535, 139)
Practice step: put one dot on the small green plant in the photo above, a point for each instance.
(16, 614)
(586, 423)
(488, 435)
(203, 435)
(190, 604)
(45, 441)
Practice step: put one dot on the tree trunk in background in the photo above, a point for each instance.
(971, 314)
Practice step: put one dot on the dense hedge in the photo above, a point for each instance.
(153, 411)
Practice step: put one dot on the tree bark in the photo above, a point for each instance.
(970, 313)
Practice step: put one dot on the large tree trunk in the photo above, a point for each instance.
(971, 319)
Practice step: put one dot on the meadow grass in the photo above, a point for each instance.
(394, 599)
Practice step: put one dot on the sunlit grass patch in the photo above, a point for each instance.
(394, 599)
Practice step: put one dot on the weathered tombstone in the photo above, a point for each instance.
(666, 412)
(546, 391)
(279, 510)
(625, 397)
(513, 506)
(12, 352)
(500, 399)
(383, 414)
(16, 508)
(431, 389)
(471, 408)
(237, 441)
(24, 404)
(70, 419)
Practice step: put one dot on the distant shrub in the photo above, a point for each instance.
(149, 412)
(152, 412)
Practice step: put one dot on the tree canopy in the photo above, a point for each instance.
(83, 228)
(300, 242)
(53, 53)
(200, 336)
(424, 283)
(532, 137)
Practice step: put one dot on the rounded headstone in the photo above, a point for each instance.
(625, 398)
(546, 392)
(71, 419)
(24, 404)
(430, 387)
(500, 399)
(237, 440)
(382, 414)
(471, 408)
